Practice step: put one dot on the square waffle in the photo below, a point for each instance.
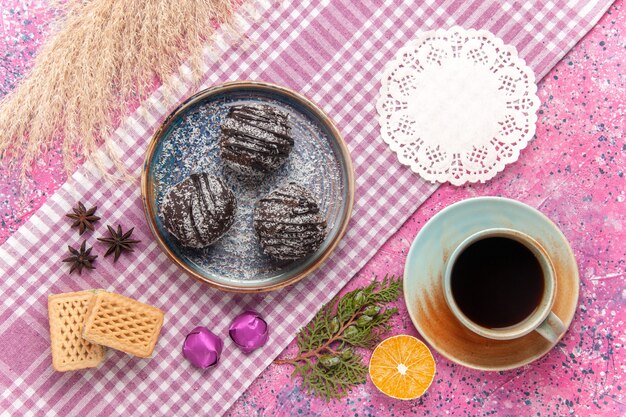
(123, 323)
(67, 313)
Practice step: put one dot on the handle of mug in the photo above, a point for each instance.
(552, 328)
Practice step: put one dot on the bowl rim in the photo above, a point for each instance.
(147, 193)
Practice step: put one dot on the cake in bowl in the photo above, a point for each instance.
(198, 210)
(289, 224)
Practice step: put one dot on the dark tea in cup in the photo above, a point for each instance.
(497, 282)
(500, 283)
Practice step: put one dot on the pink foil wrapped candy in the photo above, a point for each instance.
(202, 347)
(249, 331)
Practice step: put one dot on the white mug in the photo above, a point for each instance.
(542, 319)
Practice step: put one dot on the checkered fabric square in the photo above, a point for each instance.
(332, 51)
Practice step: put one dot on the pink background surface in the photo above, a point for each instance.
(573, 172)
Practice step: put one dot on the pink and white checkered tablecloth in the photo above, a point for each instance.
(332, 51)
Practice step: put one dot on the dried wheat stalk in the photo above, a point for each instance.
(106, 54)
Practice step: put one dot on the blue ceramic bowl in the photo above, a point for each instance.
(187, 142)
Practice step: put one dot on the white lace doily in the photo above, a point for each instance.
(457, 105)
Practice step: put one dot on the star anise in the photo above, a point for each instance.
(118, 242)
(83, 218)
(81, 258)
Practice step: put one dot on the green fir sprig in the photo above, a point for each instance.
(326, 360)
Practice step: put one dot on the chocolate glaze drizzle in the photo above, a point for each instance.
(255, 139)
(198, 210)
(289, 224)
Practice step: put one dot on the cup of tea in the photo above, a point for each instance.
(500, 283)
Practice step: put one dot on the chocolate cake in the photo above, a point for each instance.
(198, 210)
(255, 139)
(289, 224)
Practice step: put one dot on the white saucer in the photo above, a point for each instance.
(423, 279)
